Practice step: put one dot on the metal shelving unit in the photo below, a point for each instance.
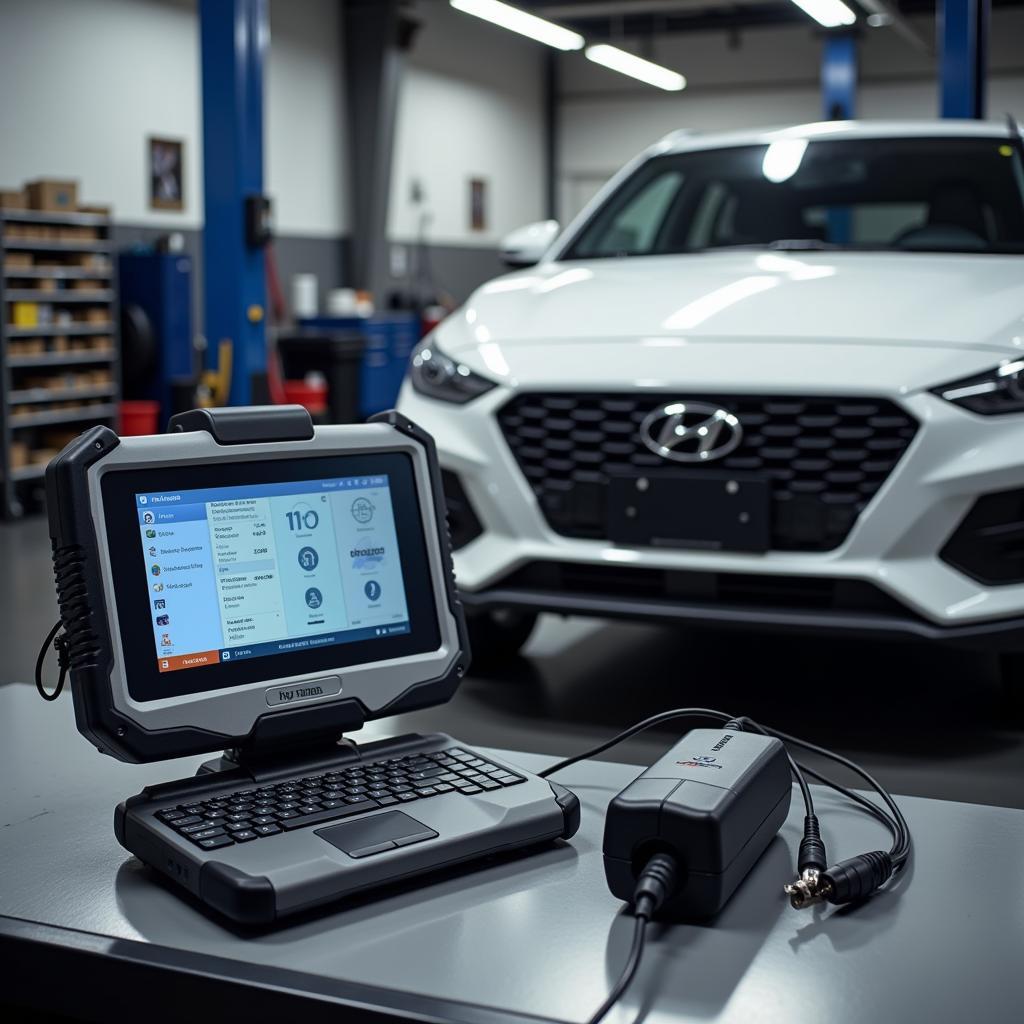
(67, 330)
(61, 375)
(63, 358)
(58, 298)
(25, 245)
(61, 274)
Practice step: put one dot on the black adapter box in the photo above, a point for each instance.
(714, 801)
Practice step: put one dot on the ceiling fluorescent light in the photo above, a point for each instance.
(636, 67)
(828, 13)
(519, 21)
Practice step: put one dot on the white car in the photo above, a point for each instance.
(769, 380)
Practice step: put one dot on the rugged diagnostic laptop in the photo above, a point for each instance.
(249, 584)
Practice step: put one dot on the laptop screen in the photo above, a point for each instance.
(261, 570)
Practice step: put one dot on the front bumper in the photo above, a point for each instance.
(894, 547)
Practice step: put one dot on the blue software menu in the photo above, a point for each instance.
(240, 572)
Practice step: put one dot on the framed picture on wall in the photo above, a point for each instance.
(166, 174)
(477, 204)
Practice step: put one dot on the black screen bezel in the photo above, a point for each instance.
(144, 680)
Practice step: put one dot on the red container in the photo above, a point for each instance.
(140, 418)
(312, 395)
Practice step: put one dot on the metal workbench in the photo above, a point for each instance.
(85, 927)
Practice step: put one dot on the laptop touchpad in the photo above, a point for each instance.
(376, 834)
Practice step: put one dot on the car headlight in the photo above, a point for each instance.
(434, 374)
(993, 393)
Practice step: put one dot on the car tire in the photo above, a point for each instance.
(497, 636)
(1011, 668)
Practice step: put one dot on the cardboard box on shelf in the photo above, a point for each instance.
(33, 346)
(13, 199)
(53, 195)
(84, 285)
(101, 343)
(41, 456)
(18, 454)
(78, 235)
(26, 346)
(89, 260)
(97, 315)
(99, 211)
(57, 439)
(18, 261)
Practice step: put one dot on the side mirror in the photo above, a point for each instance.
(525, 246)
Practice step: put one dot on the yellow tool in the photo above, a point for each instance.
(215, 385)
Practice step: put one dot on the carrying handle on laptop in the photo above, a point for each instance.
(251, 424)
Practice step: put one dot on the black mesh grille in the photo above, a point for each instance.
(825, 457)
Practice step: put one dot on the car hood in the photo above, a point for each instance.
(743, 296)
(869, 323)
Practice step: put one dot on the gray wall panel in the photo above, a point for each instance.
(454, 270)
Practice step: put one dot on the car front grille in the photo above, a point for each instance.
(824, 457)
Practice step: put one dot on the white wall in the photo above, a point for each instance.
(85, 82)
(770, 78)
(470, 106)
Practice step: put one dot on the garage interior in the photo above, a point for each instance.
(290, 166)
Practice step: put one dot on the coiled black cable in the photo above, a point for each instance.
(63, 661)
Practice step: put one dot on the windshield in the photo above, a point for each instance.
(934, 195)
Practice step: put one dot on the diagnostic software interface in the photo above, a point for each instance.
(243, 572)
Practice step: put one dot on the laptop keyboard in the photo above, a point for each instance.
(261, 811)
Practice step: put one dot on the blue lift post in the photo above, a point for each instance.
(839, 76)
(839, 102)
(963, 57)
(233, 40)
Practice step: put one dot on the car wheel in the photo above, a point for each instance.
(496, 636)
(1011, 666)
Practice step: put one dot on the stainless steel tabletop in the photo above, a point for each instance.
(535, 934)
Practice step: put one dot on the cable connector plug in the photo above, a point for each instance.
(655, 884)
(811, 862)
(853, 880)
(811, 856)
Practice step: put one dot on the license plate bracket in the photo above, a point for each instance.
(705, 509)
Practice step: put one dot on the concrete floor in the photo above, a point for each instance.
(925, 721)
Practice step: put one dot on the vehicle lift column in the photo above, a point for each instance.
(962, 27)
(234, 35)
(839, 76)
(839, 100)
(376, 35)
